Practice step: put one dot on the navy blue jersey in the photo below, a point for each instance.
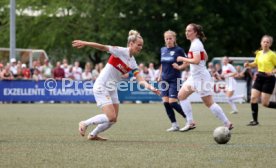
(168, 57)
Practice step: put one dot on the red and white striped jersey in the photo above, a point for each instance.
(228, 69)
(197, 48)
(120, 62)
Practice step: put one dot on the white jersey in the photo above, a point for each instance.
(119, 63)
(226, 70)
(197, 48)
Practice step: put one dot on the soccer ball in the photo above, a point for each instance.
(222, 135)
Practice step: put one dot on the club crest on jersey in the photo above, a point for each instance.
(172, 53)
(122, 68)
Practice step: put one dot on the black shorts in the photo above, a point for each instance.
(264, 83)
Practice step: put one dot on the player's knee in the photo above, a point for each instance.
(254, 99)
(112, 117)
(181, 97)
(265, 104)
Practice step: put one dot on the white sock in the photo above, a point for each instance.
(101, 128)
(232, 98)
(187, 108)
(233, 105)
(175, 124)
(98, 119)
(218, 112)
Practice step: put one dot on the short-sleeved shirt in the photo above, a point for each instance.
(168, 57)
(197, 48)
(265, 61)
(120, 62)
(227, 69)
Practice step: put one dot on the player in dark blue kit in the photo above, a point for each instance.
(170, 77)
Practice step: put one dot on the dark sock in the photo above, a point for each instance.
(178, 108)
(254, 108)
(169, 111)
(272, 105)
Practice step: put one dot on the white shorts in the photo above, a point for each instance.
(203, 85)
(230, 85)
(103, 96)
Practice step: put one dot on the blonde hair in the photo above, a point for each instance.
(133, 35)
(171, 33)
(269, 37)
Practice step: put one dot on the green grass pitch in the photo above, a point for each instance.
(46, 135)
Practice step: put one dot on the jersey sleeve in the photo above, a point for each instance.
(232, 68)
(274, 58)
(117, 51)
(135, 72)
(196, 48)
(181, 52)
(256, 58)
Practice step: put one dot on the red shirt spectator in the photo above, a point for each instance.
(58, 72)
(26, 73)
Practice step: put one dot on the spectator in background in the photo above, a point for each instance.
(77, 70)
(157, 73)
(19, 70)
(95, 72)
(238, 75)
(215, 75)
(26, 73)
(37, 75)
(141, 69)
(70, 74)
(146, 73)
(218, 68)
(88, 66)
(47, 69)
(1, 69)
(101, 66)
(170, 74)
(6, 73)
(210, 67)
(151, 72)
(13, 67)
(34, 65)
(65, 66)
(58, 72)
(248, 75)
(39, 67)
(87, 75)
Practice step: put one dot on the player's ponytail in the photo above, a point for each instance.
(133, 35)
(199, 30)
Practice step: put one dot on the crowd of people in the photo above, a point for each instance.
(16, 70)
